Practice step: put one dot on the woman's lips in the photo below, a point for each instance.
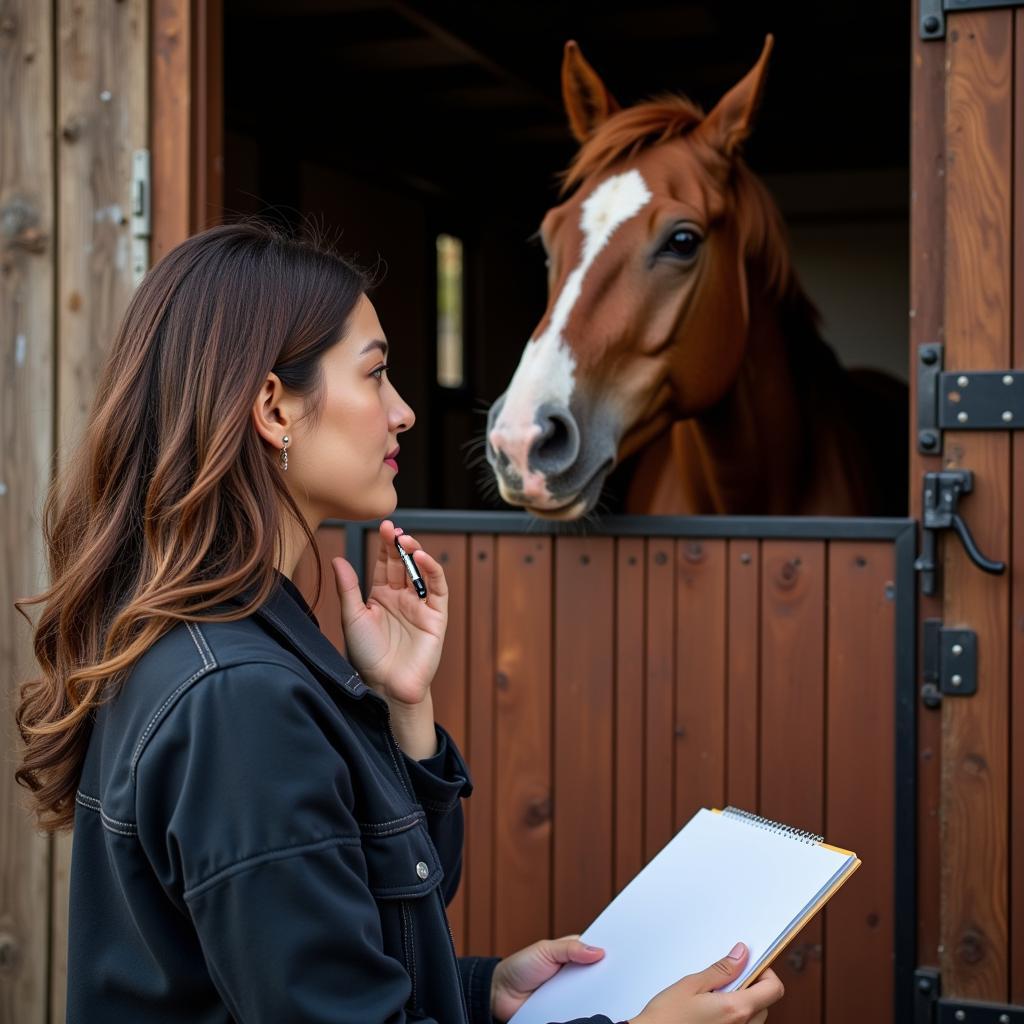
(391, 459)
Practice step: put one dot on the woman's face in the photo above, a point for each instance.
(344, 467)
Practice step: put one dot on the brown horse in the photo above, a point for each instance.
(677, 341)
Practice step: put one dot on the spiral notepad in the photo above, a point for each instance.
(726, 877)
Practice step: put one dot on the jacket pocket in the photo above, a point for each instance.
(401, 861)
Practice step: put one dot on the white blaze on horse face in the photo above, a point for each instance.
(546, 371)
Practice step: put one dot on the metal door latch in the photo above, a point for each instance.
(942, 493)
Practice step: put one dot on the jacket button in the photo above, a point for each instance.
(422, 870)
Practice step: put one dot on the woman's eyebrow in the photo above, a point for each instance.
(376, 343)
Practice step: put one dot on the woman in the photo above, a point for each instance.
(263, 831)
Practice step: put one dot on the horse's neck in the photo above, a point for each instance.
(750, 454)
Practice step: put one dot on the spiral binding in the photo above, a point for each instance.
(800, 835)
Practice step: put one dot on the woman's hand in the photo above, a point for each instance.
(519, 975)
(394, 639)
(693, 999)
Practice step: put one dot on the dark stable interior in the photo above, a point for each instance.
(387, 124)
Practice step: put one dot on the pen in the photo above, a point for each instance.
(410, 568)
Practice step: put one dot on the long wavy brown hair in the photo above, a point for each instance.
(173, 503)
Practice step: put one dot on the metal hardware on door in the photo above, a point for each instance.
(949, 663)
(942, 493)
(932, 21)
(963, 399)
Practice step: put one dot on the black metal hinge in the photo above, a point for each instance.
(950, 663)
(930, 1007)
(933, 13)
(964, 399)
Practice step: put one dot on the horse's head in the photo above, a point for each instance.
(647, 292)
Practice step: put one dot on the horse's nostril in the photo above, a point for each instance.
(557, 445)
(554, 436)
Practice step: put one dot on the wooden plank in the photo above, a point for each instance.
(172, 151)
(1017, 554)
(479, 868)
(630, 613)
(27, 342)
(584, 705)
(742, 743)
(927, 259)
(978, 303)
(659, 711)
(522, 863)
(700, 717)
(792, 733)
(102, 116)
(449, 687)
(860, 798)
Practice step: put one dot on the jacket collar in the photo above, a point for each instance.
(291, 619)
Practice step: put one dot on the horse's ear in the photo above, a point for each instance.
(587, 102)
(733, 117)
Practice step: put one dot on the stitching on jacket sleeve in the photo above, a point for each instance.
(282, 853)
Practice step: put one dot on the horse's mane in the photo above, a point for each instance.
(762, 231)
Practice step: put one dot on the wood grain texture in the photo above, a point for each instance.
(27, 344)
(630, 612)
(584, 631)
(102, 118)
(659, 711)
(480, 749)
(700, 678)
(743, 673)
(1016, 788)
(859, 771)
(974, 873)
(927, 309)
(792, 788)
(450, 683)
(173, 156)
(522, 864)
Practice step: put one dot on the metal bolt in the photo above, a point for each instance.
(1008, 379)
(1007, 416)
(958, 648)
(1004, 1018)
(106, 95)
(960, 1015)
(928, 355)
(961, 417)
(962, 381)
(957, 680)
(928, 439)
(931, 26)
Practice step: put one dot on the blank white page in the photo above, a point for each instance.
(719, 881)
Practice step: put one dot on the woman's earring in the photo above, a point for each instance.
(284, 453)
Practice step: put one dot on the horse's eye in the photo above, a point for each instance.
(683, 244)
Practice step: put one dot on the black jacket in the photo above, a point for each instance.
(251, 844)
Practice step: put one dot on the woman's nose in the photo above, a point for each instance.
(402, 416)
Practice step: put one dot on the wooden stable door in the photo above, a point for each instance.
(604, 688)
(967, 294)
